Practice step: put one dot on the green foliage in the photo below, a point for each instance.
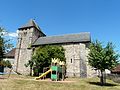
(4, 46)
(5, 43)
(6, 63)
(1, 48)
(42, 57)
(102, 58)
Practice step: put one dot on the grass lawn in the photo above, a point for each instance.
(16, 82)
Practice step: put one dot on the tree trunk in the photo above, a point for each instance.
(30, 71)
(103, 78)
(10, 72)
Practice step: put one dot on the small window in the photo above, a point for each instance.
(71, 60)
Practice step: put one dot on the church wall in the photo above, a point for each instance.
(75, 53)
(77, 61)
(75, 57)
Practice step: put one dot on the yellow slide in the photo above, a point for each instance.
(43, 74)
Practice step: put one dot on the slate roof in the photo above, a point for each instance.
(31, 23)
(10, 54)
(70, 38)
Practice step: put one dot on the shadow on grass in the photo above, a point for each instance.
(99, 84)
(2, 78)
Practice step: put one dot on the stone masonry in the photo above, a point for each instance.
(74, 60)
(76, 50)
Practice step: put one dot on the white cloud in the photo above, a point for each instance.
(12, 34)
(17, 31)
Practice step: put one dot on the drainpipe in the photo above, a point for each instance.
(20, 39)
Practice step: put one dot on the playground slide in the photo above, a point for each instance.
(43, 74)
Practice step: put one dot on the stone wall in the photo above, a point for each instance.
(75, 60)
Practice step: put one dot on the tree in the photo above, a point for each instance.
(1, 45)
(4, 48)
(102, 58)
(42, 57)
(1, 48)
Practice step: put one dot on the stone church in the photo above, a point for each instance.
(75, 45)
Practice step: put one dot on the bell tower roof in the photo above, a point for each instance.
(31, 23)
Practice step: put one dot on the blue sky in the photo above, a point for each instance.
(55, 17)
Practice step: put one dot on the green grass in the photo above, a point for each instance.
(28, 83)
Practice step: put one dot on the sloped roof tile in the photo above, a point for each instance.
(10, 54)
(31, 23)
(116, 69)
(70, 38)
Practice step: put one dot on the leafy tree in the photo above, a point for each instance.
(42, 57)
(4, 47)
(1, 45)
(102, 58)
(1, 48)
(6, 63)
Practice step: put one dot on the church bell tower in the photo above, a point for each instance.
(27, 35)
